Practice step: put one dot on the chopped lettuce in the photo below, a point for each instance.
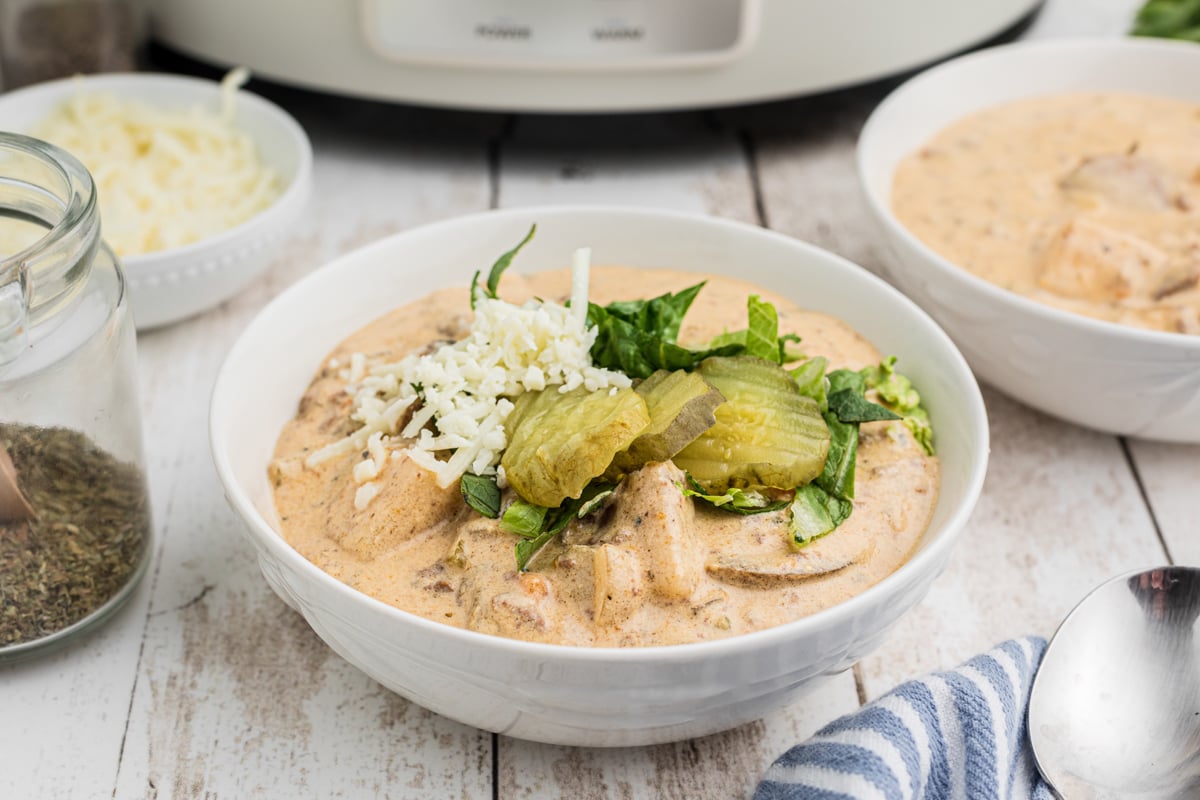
(502, 263)
(662, 315)
(528, 548)
(827, 502)
(1169, 19)
(638, 337)
(537, 525)
(761, 336)
(762, 331)
(810, 377)
(737, 501)
(524, 519)
(848, 399)
(837, 477)
(814, 512)
(896, 392)
(481, 493)
(788, 355)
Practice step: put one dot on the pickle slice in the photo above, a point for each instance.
(681, 408)
(766, 434)
(560, 441)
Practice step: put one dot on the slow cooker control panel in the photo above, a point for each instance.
(571, 34)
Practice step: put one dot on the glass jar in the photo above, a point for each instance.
(75, 531)
(45, 39)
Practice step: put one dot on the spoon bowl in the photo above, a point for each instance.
(1115, 707)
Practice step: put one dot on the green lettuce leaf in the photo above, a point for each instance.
(737, 501)
(828, 501)
(837, 477)
(761, 337)
(787, 355)
(810, 377)
(537, 525)
(815, 513)
(528, 548)
(822, 505)
(850, 405)
(728, 338)
(637, 337)
(594, 498)
(502, 263)
(841, 379)
(1169, 19)
(762, 332)
(847, 395)
(524, 519)
(662, 315)
(896, 392)
(481, 493)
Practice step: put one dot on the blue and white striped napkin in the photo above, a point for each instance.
(957, 735)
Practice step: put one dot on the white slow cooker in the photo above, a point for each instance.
(578, 55)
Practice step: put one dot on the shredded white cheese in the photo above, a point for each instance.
(579, 283)
(165, 177)
(365, 494)
(465, 389)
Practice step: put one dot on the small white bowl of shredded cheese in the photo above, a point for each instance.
(198, 182)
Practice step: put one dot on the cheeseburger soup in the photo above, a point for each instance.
(653, 556)
(1088, 202)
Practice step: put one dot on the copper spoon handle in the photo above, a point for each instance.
(14, 507)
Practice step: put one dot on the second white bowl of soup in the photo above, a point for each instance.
(654, 616)
(1042, 202)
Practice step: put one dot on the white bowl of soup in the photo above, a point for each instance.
(409, 613)
(1042, 201)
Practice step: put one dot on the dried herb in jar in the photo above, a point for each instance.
(86, 542)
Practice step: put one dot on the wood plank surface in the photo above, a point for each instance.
(62, 716)
(804, 154)
(1060, 512)
(724, 765)
(1170, 478)
(235, 695)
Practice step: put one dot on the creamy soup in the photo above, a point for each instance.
(653, 567)
(1088, 202)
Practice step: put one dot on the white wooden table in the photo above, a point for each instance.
(206, 685)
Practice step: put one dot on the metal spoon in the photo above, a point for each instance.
(1115, 707)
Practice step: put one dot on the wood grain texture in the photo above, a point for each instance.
(235, 695)
(1170, 477)
(1060, 512)
(805, 154)
(206, 685)
(62, 715)
(724, 765)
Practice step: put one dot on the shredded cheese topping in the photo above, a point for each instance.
(463, 391)
(165, 177)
